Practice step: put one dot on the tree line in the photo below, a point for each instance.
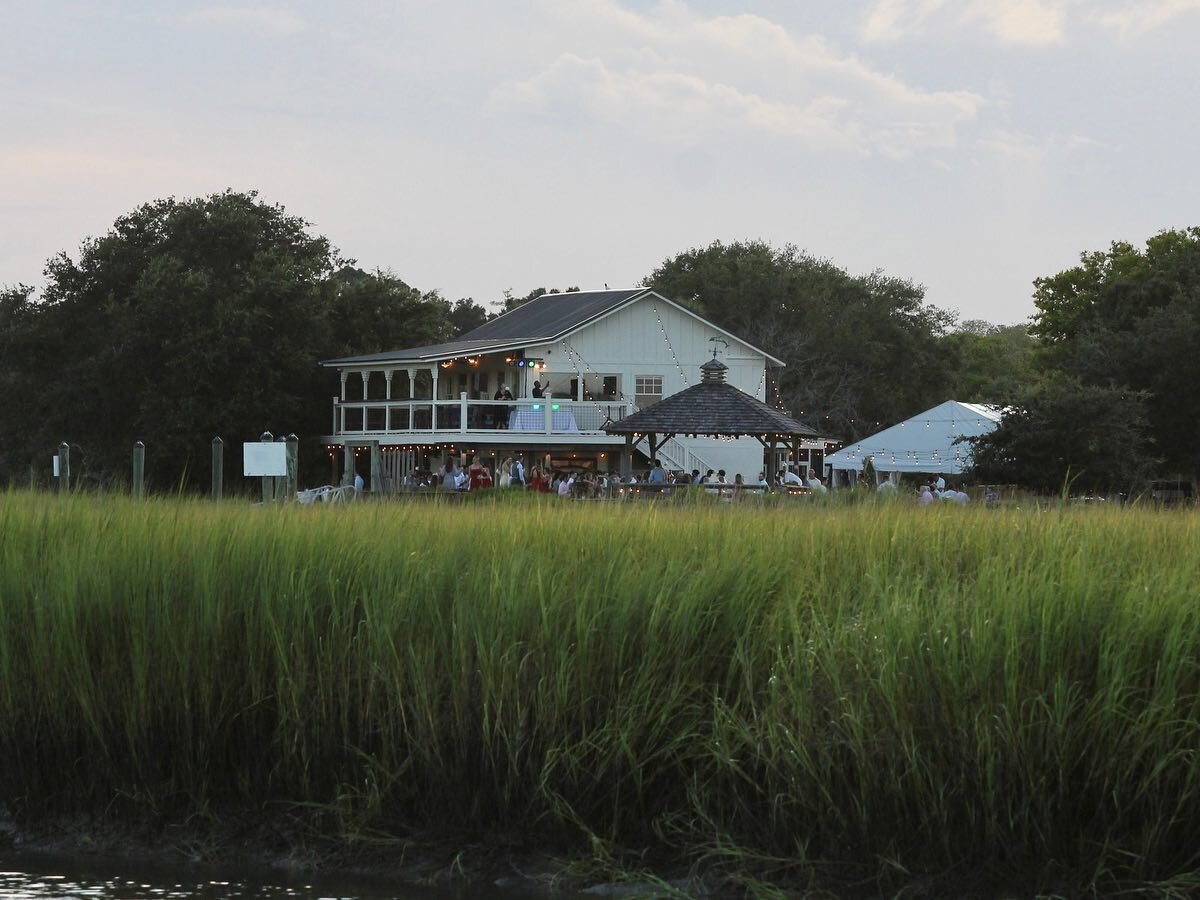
(198, 317)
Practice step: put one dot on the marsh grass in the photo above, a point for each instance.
(871, 694)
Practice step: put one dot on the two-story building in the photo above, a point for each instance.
(593, 356)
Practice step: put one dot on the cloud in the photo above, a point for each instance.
(1137, 18)
(1028, 22)
(256, 18)
(1021, 21)
(892, 20)
(683, 77)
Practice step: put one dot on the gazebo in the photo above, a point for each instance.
(711, 408)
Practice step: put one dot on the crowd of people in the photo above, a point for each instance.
(513, 472)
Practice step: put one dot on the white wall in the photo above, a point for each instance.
(630, 342)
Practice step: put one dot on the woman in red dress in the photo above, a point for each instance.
(475, 475)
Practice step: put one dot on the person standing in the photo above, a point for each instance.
(518, 472)
(658, 475)
(358, 484)
(475, 475)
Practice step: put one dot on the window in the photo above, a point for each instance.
(648, 389)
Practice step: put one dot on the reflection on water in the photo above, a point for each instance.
(40, 876)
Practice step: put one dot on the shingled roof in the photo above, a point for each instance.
(711, 407)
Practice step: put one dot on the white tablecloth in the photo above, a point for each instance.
(535, 420)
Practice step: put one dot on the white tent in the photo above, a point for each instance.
(924, 443)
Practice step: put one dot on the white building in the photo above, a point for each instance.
(602, 355)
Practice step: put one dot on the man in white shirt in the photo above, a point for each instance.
(791, 478)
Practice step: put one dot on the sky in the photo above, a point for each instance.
(969, 145)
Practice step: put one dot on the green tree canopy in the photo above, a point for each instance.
(1129, 319)
(1066, 434)
(991, 364)
(188, 319)
(861, 351)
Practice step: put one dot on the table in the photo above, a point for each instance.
(535, 420)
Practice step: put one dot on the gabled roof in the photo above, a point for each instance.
(923, 443)
(546, 319)
(711, 407)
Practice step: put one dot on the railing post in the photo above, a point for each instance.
(548, 413)
(64, 467)
(268, 483)
(139, 469)
(335, 413)
(218, 467)
(462, 412)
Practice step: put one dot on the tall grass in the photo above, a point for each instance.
(792, 693)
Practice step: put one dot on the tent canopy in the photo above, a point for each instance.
(924, 443)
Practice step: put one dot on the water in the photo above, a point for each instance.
(33, 876)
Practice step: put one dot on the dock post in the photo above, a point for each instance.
(218, 468)
(64, 467)
(293, 459)
(139, 469)
(268, 481)
(281, 480)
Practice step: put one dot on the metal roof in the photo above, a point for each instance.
(539, 321)
(552, 315)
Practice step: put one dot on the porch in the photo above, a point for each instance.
(490, 421)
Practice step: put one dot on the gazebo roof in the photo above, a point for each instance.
(711, 407)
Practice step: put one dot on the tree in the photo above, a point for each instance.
(861, 351)
(991, 363)
(190, 319)
(1129, 319)
(1066, 433)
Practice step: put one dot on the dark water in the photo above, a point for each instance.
(47, 876)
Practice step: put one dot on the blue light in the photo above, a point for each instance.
(537, 406)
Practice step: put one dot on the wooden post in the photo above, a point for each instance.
(139, 469)
(771, 468)
(627, 457)
(280, 486)
(377, 475)
(218, 468)
(349, 465)
(293, 461)
(64, 467)
(268, 483)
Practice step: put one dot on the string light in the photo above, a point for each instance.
(667, 341)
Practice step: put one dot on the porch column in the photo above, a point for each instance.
(343, 374)
(462, 412)
(366, 377)
(387, 414)
(412, 383)
(771, 468)
(348, 464)
(377, 475)
(433, 373)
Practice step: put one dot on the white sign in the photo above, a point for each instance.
(56, 472)
(263, 458)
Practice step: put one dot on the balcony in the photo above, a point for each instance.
(485, 420)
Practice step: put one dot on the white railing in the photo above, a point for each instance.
(534, 416)
(678, 456)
